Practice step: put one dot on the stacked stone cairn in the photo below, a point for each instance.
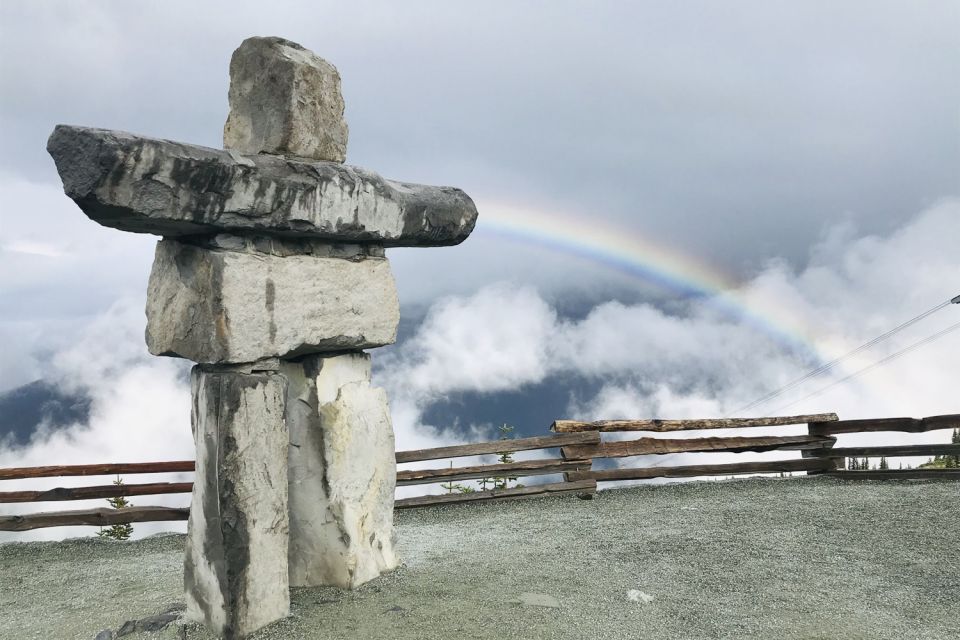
(271, 276)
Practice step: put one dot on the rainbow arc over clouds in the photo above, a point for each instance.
(654, 262)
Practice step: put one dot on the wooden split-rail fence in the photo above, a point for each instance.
(580, 444)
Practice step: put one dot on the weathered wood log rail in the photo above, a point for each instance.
(579, 444)
(101, 491)
(657, 446)
(661, 426)
(93, 517)
(693, 471)
(819, 455)
(506, 470)
(17, 473)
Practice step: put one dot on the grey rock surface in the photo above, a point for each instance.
(166, 188)
(283, 247)
(217, 306)
(152, 624)
(235, 568)
(285, 100)
(342, 473)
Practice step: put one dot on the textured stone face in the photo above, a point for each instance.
(146, 185)
(223, 306)
(284, 100)
(235, 570)
(342, 470)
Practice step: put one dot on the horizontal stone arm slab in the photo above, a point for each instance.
(145, 185)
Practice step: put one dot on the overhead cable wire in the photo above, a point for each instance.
(878, 363)
(829, 365)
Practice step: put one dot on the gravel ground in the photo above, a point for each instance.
(810, 558)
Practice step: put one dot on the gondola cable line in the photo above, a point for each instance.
(829, 365)
(893, 356)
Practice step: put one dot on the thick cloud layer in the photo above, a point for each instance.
(702, 362)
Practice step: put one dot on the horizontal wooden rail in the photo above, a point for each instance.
(404, 477)
(572, 426)
(691, 471)
(101, 491)
(898, 474)
(181, 466)
(908, 425)
(585, 486)
(498, 446)
(94, 517)
(894, 451)
(506, 470)
(105, 517)
(18, 473)
(657, 446)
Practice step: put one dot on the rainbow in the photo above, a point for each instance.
(654, 262)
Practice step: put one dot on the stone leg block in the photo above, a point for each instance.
(222, 306)
(235, 569)
(342, 472)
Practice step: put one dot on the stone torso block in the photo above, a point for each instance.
(233, 306)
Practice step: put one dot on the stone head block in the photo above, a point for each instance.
(219, 306)
(284, 100)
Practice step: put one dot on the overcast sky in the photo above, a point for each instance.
(730, 132)
(808, 153)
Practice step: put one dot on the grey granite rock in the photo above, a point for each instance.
(218, 306)
(286, 100)
(235, 569)
(342, 472)
(159, 622)
(106, 634)
(156, 186)
(284, 247)
(175, 607)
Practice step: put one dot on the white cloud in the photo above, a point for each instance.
(700, 363)
(491, 341)
(140, 412)
(33, 248)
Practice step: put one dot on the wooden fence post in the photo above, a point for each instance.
(813, 429)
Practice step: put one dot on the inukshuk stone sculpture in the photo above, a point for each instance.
(271, 275)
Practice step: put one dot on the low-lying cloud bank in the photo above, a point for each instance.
(505, 336)
(695, 362)
(701, 362)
